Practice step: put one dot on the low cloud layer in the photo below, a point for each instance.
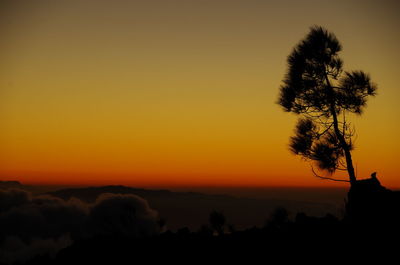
(123, 215)
(32, 225)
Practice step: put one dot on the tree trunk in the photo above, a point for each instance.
(340, 136)
(345, 146)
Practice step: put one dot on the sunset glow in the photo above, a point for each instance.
(169, 94)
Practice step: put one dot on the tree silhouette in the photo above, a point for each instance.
(217, 221)
(279, 217)
(317, 88)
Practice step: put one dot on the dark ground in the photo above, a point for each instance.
(369, 228)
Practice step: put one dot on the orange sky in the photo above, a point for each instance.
(180, 93)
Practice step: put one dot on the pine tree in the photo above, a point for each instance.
(318, 89)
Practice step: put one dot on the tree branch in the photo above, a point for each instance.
(327, 178)
(322, 133)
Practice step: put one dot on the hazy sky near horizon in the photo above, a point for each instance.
(180, 93)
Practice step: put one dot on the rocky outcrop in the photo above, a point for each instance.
(372, 205)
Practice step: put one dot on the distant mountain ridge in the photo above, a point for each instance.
(89, 194)
(9, 184)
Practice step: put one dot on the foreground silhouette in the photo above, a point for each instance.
(281, 238)
(370, 205)
(123, 228)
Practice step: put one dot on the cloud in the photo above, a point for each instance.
(41, 216)
(11, 198)
(31, 225)
(122, 215)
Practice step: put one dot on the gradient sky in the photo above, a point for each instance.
(180, 93)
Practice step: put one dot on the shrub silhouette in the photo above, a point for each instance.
(205, 230)
(279, 217)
